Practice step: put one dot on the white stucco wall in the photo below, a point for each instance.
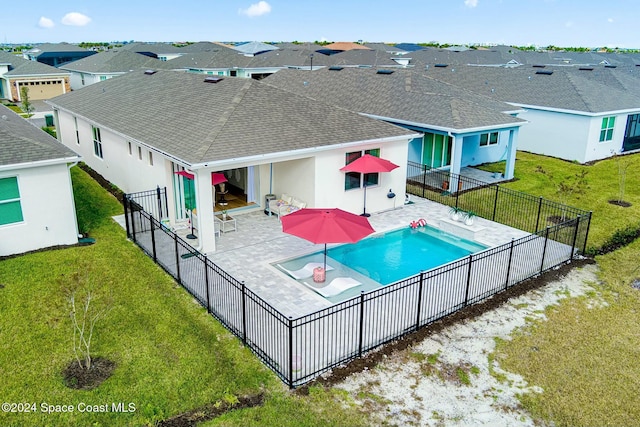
(127, 171)
(48, 209)
(595, 149)
(296, 178)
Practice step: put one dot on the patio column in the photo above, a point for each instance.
(511, 154)
(204, 205)
(456, 160)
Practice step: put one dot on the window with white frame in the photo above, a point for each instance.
(487, 139)
(606, 129)
(130, 148)
(355, 179)
(103, 78)
(139, 153)
(10, 207)
(75, 123)
(150, 158)
(97, 142)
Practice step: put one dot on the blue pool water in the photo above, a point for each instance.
(393, 256)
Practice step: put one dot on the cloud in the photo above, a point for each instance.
(44, 22)
(610, 20)
(75, 19)
(568, 24)
(256, 9)
(471, 3)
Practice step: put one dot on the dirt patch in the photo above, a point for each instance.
(79, 378)
(374, 357)
(621, 203)
(211, 411)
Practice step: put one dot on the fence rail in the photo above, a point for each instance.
(300, 349)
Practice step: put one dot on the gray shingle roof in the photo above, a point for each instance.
(23, 67)
(405, 95)
(197, 122)
(21, 142)
(254, 47)
(113, 62)
(55, 47)
(569, 88)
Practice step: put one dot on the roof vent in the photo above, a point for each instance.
(586, 68)
(335, 68)
(610, 66)
(545, 72)
(213, 79)
(384, 72)
(441, 65)
(538, 66)
(150, 72)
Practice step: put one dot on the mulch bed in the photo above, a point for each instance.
(79, 378)
(191, 418)
(621, 203)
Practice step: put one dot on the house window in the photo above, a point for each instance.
(10, 207)
(150, 158)
(130, 148)
(97, 142)
(103, 78)
(488, 139)
(357, 180)
(606, 130)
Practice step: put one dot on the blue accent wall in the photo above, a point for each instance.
(415, 150)
(473, 154)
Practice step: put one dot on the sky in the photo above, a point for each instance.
(565, 23)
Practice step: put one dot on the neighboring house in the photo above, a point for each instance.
(459, 128)
(106, 65)
(575, 113)
(142, 128)
(36, 198)
(43, 81)
(254, 48)
(56, 54)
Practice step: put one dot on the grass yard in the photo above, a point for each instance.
(585, 356)
(170, 355)
(542, 176)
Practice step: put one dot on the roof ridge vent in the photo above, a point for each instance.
(150, 72)
(212, 79)
(336, 68)
(586, 68)
(441, 65)
(545, 72)
(610, 66)
(538, 66)
(382, 71)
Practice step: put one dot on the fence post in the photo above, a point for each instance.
(153, 240)
(175, 244)
(466, 294)
(361, 323)
(495, 203)
(544, 250)
(133, 225)
(506, 283)
(206, 281)
(290, 376)
(575, 236)
(244, 313)
(126, 215)
(424, 179)
(457, 192)
(419, 311)
(159, 203)
(586, 234)
(539, 210)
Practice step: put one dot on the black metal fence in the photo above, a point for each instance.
(298, 350)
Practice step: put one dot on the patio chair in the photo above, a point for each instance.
(337, 286)
(306, 271)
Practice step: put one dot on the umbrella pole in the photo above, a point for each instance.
(191, 236)
(364, 208)
(325, 257)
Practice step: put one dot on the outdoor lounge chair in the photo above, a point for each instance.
(337, 286)
(306, 271)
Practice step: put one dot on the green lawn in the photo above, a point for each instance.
(542, 176)
(586, 355)
(171, 355)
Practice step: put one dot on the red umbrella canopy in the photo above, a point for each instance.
(326, 225)
(369, 164)
(216, 177)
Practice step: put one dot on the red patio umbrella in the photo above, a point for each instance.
(326, 226)
(216, 177)
(369, 164)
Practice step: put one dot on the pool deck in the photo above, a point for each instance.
(249, 252)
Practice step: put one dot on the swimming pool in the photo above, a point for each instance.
(386, 258)
(393, 256)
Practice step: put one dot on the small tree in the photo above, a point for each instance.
(84, 322)
(575, 185)
(623, 164)
(27, 107)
